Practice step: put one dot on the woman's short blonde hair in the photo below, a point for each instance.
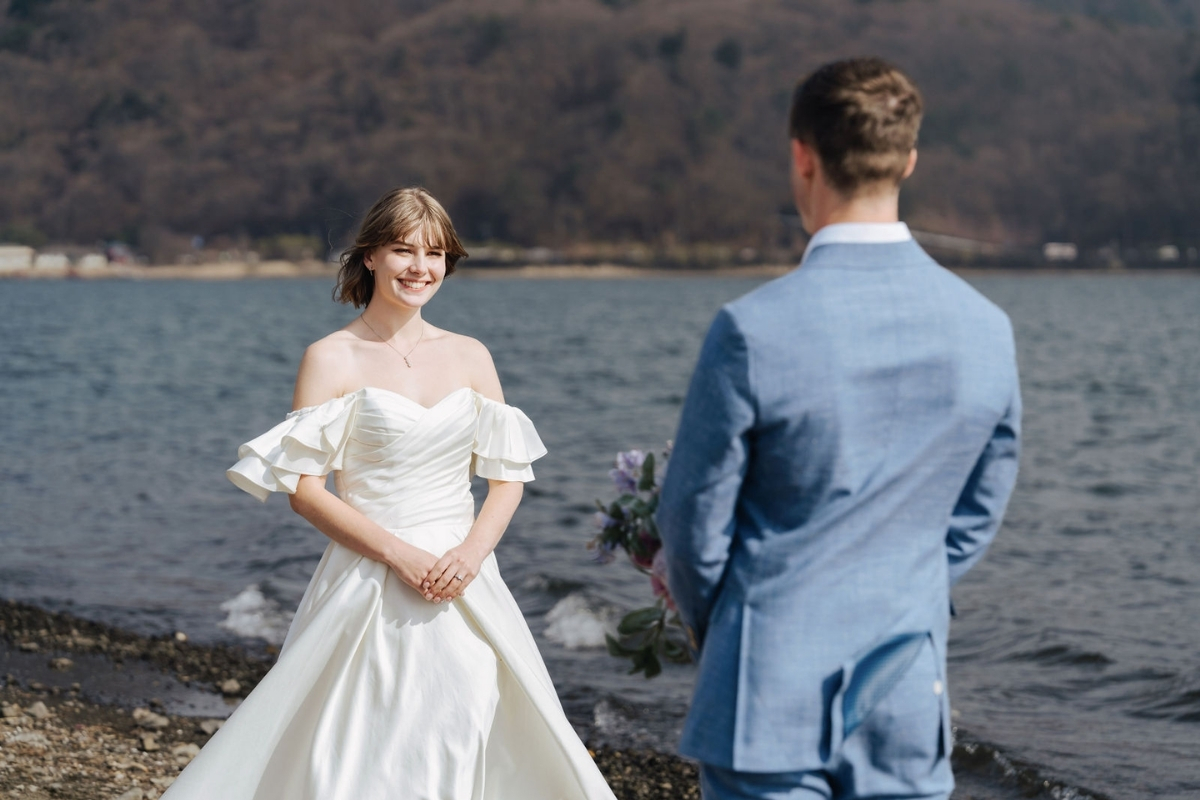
(402, 215)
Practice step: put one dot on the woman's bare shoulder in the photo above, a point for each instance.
(339, 343)
(476, 361)
(325, 369)
(467, 346)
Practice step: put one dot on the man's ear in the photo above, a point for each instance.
(912, 163)
(804, 159)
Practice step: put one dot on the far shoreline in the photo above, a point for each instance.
(276, 270)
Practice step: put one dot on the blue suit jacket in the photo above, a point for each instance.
(845, 453)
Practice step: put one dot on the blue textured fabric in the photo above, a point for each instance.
(875, 675)
(845, 453)
(724, 784)
(895, 753)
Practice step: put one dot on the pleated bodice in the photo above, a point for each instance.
(398, 462)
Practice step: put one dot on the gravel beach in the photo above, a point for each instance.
(58, 740)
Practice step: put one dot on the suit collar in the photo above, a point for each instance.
(858, 233)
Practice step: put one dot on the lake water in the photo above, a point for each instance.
(1076, 643)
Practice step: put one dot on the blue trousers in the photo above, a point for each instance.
(899, 752)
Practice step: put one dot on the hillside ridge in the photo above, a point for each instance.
(549, 122)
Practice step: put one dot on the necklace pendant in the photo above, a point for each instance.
(406, 362)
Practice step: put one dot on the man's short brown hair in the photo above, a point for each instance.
(861, 116)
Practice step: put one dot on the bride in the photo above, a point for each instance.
(408, 671)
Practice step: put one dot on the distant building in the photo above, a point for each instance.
(15, 257)
(93, 261)
(51, 261)
(1060, 251)
(1168, 252)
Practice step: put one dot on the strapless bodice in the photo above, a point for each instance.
(398, 462)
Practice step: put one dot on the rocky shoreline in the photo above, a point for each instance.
(228, 670)
(62, 747)
(57, 742)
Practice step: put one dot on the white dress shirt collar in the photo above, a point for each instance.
(858, 233)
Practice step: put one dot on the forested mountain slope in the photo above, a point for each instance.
(558, 121)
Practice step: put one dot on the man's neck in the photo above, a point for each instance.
(870, 208)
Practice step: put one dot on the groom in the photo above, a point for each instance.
(846, 451)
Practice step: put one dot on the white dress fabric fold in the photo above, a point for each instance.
(377, 692)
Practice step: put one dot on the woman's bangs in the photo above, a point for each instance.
(424, 232)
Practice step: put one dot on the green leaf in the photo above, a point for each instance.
(617, 649)
(675, 652)
(641, 620)
(641, 660)
(654, 667)
(647, 480)
(650, 663)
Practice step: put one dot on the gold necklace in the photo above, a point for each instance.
(389, 344)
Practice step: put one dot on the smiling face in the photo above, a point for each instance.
(409, 271)
(409, 237)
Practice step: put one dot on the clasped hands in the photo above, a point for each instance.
(441, 579)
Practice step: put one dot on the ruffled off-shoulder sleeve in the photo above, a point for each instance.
(309, 441)
(506, 443)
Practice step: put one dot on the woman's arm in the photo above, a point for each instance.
(327, 513)
(464, 560)
(503, 497)
(321, 378)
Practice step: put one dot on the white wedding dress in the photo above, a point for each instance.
(377, 692)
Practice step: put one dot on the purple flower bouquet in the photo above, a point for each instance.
(647, 635)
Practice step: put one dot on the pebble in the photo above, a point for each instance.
(231, 687)
(31, 738)
(28, 647)
(211, 726)
(180, 636)
(150, 742)
(11, 711)
(61, 664)
(146, 718)
(133, 794)
(184, 753)
(38, 710)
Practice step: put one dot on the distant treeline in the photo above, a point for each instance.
(556, 122)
